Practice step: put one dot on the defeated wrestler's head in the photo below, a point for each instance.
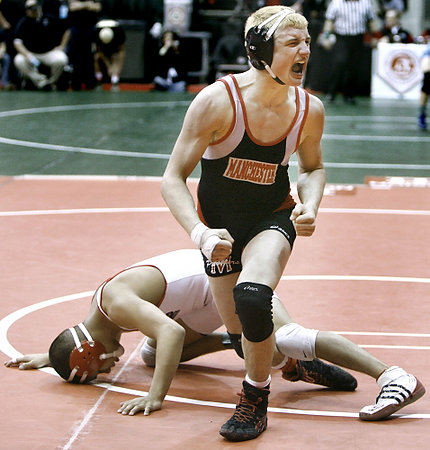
(78, 358)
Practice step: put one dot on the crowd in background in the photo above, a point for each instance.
(58, 44)
(74, 44)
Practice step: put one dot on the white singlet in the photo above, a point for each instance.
(187, 296)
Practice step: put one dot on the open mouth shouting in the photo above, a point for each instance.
(298, 68)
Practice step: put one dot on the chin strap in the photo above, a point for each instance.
(272, 74)
(280, 16)
(116, 354)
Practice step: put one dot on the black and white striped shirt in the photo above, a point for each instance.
(350, 16)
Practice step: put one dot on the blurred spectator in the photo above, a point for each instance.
(40, 42)
(392, 31)
(425, 89)
(4, 24)
(154, 16)
(110, 51)
(385, 5)
(4, 63)
(229, 49)
(169, 67)
(344, 28)
(83, 16)
(56, 8)
(11, 12)
(314, 11)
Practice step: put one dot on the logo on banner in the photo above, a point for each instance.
(399, 67)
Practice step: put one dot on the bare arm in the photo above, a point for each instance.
(210, 343)
(328, 26)
(197, 344)
(131, 311)
(75, 5)
(3, 22)
(326, 38)
(200, 125)
(30, 361)
(311, 176)
(206, 120)
(21, 48)
(64, 40)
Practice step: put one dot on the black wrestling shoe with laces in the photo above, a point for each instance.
(250, 417)
(318, 372)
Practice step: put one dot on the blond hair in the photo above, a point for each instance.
(293, 19)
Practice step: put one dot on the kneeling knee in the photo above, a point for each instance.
(147, 352)
(254, 307)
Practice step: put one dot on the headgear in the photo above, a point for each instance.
(87, 358)
(259, 42)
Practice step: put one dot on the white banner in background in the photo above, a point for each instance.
(396, 71)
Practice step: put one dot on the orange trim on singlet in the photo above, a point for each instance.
(100, 304)
(233, 123)
(245, 118)
(288, 203)
(302, 124)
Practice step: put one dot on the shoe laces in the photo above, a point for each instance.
(308, 372)
(290, 370)
(245, 410)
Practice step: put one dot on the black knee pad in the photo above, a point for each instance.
(236, 343)
(254, 307)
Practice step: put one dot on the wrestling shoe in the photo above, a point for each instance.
(250, 417)
(318, 372)
(398, 389)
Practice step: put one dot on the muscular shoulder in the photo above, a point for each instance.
(212, 109)
(316, 107)
(315, 121)
(214, 93)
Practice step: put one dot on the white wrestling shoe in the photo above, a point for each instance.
(398, 389)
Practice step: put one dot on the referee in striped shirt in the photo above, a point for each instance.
(348, 20)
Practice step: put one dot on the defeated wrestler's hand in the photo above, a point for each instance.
(32, 361)
(145, 404)
(303, 220)
(219, 248)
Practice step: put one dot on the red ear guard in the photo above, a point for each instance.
(86, 358)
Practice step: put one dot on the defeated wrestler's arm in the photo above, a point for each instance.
(133, 313)
(30, 361)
